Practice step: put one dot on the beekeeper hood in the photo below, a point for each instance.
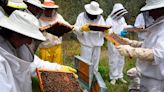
(118, 11)
(49, 4)
(153, 4)
(35, 3)
(22, 23)
(93, 8)
(17, 4)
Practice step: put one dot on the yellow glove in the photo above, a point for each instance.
(69, 69)
(85, 28)
(106, 31)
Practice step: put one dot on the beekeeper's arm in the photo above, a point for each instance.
(38, 63)
(133, 43)
(79, 27)
(141, 53)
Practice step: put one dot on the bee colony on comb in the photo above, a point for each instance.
(56, 81)
(58, 28)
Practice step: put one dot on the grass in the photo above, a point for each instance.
(72, 48)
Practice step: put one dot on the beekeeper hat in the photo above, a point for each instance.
(49, 4)
(17, 4)
(117, 8)
(22, 23)
(93, 8)
(153, 4)
(35, 3)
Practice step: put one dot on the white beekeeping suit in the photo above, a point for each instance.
(140, 23)
(150, 57)
(91, 41)
(116, 61)
(143, 20)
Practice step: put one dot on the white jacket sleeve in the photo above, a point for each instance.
(78, 24)
(139, 22)
(38, 63)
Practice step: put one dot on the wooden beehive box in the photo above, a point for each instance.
(98, 84)
(58, 28)
(101, 28)
(84, 71)
(116, 39)
(56, 81)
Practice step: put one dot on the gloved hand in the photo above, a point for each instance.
(141, 53)
(133, 72)
(85, 28)
(123, 33)
(69, 69)
(75, 28)
(134, 43)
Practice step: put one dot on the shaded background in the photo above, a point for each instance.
(70, 9)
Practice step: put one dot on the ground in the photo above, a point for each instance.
(71, 47)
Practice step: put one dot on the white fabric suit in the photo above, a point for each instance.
(143, 20)
(91, 41)
(152, 74)
(15, 73)
(140, 23)
(116, 61)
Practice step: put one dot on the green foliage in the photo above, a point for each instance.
(70, 9)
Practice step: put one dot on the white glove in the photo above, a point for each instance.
(133, 72)
(134, 43)
(141, 53)
(75, 28)
(41, 64)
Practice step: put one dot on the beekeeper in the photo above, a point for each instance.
(51, 49)
(16, 64)
(90, 41)
(151, 55)
(34, 7)
(143, 20)
(116, 61)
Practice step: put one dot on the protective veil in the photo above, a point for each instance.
(116, 61)
(91, 41)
